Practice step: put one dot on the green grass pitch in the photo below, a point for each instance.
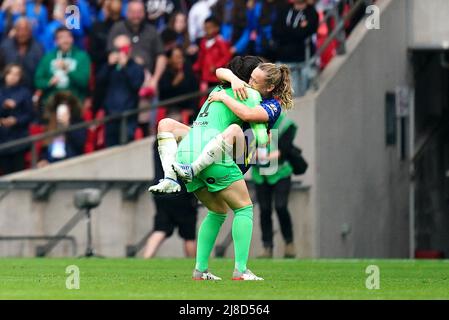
(44, 278)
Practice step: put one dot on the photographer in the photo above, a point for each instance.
(122, 78)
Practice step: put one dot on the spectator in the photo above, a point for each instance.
(63, 68)
(147, 50)
(60, 17)
(213, 54)
(178, 79)
(178, 23)
(22, 49)
(37, 14)
(98, 43)
(294, 25)
(179, 211)
(10, 11)
(234, 16)
(276, 187)
(122, 77)
(146, 43)
(16, 113)
(169, 38)
(63, 110)
(100, 30)
(159, 11)
(198, 13)
(266, 13)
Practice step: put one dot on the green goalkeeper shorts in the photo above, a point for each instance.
(216, 177)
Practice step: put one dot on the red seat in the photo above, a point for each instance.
(34, 129)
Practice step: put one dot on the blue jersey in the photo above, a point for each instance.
(273, 108)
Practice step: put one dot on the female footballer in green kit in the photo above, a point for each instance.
(220, 185)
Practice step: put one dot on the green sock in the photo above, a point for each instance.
(242, 229)
(207, 235)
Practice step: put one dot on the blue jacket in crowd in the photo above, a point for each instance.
(23, 112)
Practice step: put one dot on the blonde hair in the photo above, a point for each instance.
(279, 77)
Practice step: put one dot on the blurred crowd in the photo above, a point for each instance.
(68, 61)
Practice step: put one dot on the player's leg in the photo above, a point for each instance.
(169, 133)
(208, 232)
(214, 152)
(236, 196)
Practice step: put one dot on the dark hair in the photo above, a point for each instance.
(169, 53)
(8, 68)
(242, 67)
(168, 35)
(62, 29)
(213, 20)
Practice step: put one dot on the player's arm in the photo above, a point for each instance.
(244, 112)
(238, 86)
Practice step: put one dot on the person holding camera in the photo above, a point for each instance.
(122, 78)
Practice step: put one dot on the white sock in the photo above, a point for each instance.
(167, 147)
(212, 152)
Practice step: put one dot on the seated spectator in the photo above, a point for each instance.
(63, 110)
(178, 79)
(213, 54)
(122, 78)
(22, 49)
(63, 68)
(16, 113)
(294, 24)
(60, 18)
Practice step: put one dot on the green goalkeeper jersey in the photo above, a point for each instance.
(214, 118)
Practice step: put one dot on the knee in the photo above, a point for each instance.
(165, 124)
(233, 131)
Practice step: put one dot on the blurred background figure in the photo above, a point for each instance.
(276, 188)
(179, 79)
(16, 113)
(214, 53)
(172, 211)
(62, 15)
(178, 23)
(22, 49)
(294, 24)
(122, 78)
(199, 12)
(63, 110)
(64, 68)
(147, 50)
